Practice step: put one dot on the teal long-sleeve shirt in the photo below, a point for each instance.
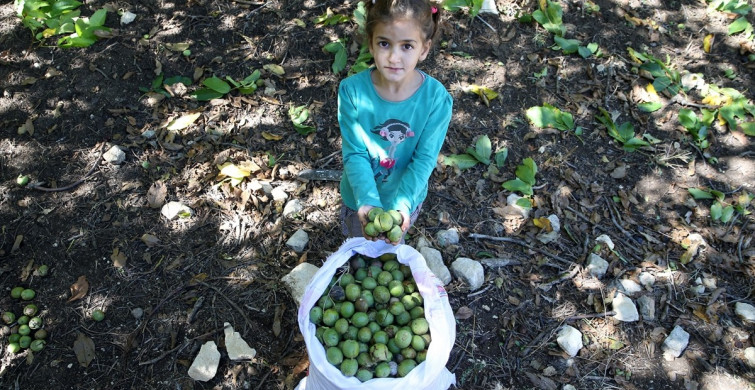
(390, 148)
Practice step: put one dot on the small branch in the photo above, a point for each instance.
(74, 184)
(486, 23)
(235, 306)
(594, 315)
(524, 244)
(183, 345)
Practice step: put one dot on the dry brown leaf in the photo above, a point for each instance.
(26, 272)
(541, 382)
(156, 194)
(27, 127)
(150, 240)
(79, 289)
(119, 258)
(463, 313)
(277, 319)
(83, 347)
(17, 243)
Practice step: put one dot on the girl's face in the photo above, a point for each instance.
(397, 47)
(395, 137)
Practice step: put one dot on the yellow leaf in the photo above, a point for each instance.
(48, 32)
(651, 92)
(232, 171)
(274, 69)
(485, 93)
(183, 121)
(708, 42)
(271, 136)
(180, 46)
(543, 223)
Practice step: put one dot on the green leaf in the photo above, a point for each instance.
(584, 52)
(661, 83)
(454, 5)
(525, 203)
(748, 128)
(625, 131)
(461, 161)
(501, 156)
(483, 148)
(526, 171)
(252, 78)
(177, 79)
(298, 114)
(98, 18)
(339, 63)
(304, 129)
(650, 106)
(727, 213)
(567, 45)
(716, 210)
(217, 84)
(739, 25)
(550, 18)
(518, 185)
(206, 94)
(698, 193)
(333, 47)
(688, 119)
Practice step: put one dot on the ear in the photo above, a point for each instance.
(425, 49)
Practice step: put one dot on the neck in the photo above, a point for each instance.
(393, 91)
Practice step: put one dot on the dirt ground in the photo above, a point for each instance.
(168, 286)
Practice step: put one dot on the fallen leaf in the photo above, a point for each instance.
(28, 81)
(27, 127)
(463, 313)
(279, 310)
(270, 136)
(543, 223)
(274, 69)
(541, 382)
(79, 289)
(119, 258)
(180, 46)
(150, 240)
(83, 347)
(26, 272)
(183, 121)
(708, 42)
(17, 243)
(156, 194)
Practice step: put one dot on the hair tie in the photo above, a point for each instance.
(434, 10)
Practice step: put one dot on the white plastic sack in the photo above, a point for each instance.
(430, 374)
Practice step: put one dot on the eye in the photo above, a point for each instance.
(382, 44)
(408, 46)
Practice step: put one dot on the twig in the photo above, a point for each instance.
(264, 378)
(741, 239)
(195, 309)
(524, 244)
(235, 306)
(487, 24)
(183, 345)
(77, 182)
(479, 292)
(594, 315)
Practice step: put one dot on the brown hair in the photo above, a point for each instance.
(426, 14)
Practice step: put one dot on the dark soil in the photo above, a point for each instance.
(164, 299)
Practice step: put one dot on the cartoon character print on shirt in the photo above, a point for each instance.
(395, 132)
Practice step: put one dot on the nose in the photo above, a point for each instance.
(394, 54)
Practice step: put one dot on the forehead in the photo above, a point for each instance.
(399, 30)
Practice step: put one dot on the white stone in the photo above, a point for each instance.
(709, 282)
(568, 387)
(297, 280)
(570, 340)
(630, 287)
(511, 201)
(745, 310)
(173, 210)
(448, 237)
(675, 343)
(647, 280)
(422, 242)
(237, 348)
(605, 239)
(127, 17)
(137, 312)
(279, 194)
(470, 271)
(206, 363)
(292, 208)
(596, 266)
(697, 289)
(488, 7)
(625, 309)
(434, 261)
(298, 241)
(646, 305)
(115, 156)
(750, 356)
(548, 237)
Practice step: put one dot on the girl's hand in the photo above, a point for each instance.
(405, 223)
(363, 219)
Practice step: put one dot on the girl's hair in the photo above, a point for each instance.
(426, 14)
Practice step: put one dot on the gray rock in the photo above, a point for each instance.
(625, 309)
(629, 286)
(605, 239)
(675, 343)
(470, 271)
(647, 280)
(750, 356)
(297, 280)
(745, 311)
(448, 237)
(237, 348)
(205, 365)
(279, 194)
(434, 261)
(422, 242)
(173, 210)
(137, 312)
(646, 305)
(292, 208)
(298, 241)
(596, 266)
(115, 156)
(570, 340)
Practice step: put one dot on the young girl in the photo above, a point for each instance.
(393, 117)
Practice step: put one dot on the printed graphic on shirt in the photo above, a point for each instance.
(395, 132)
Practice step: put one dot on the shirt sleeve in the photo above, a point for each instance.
(356, 160)
(413, 186)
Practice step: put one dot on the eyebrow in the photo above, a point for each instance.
(402, 41)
